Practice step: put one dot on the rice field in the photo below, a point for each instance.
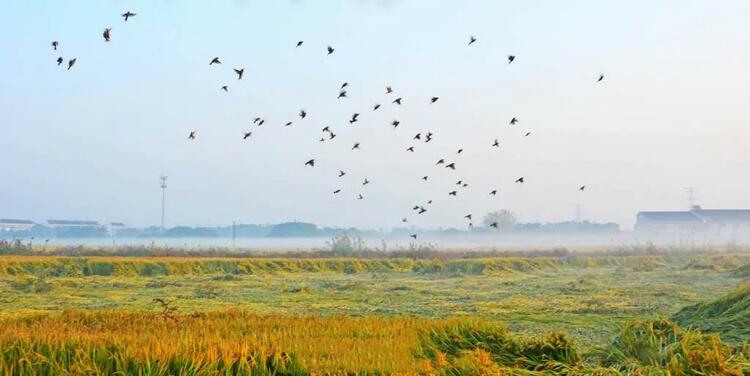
(503, 315)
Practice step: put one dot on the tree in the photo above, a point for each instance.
(505, 219)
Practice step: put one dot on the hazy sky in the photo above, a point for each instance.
(90, 143)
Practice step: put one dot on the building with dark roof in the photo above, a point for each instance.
(16, 224)
(55, 223)
(695, 220)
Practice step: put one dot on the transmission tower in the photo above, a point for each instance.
(163, 185)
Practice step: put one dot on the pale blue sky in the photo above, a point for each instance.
(90, 143)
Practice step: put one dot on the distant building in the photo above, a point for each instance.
(717, 222)
(57, 223)
(15, 225)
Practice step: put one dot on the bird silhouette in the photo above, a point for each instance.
(192, 135)
(261, 122)
(417, 136)
(460, 151)
(404, 220)
(288, 124)
(493, 192)
(105, 34)
(413, 236)
(326, 129)
(397, 101)
(582, 188)
(341, 173)
(302, 114)
(59, 61)
(225, 88)
(331, 135)
(452, 193)
(513, 121)
(300, 43)
(354, 118)
(342, 94)
(71, 63)
(511, 58)
(434, 99)
(493, 224)
(395, 123)
(472, 39)
(388, 90)
(416, 207)
(520, 180)
(496, 143)
(468, 216)
(55, 44)
(410, 148)
(601, 77)
(451, 165)
(440, 161)
(336, 191)
(527, 134)
(257, 119)
(239, 72)
(330, 50)
(246, 135)
(356, 146)
(214, 61)
(425, 178)
(127, 15)
(359, 196)
(421, 210)
(322, 139)
(365, 182)
(310, 163)
(459, 182)
(376, 107)
(345, 84)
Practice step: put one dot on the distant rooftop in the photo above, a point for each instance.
(670, 216)
(15, 221)
(70, 222)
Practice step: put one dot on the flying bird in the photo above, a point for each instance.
(345, 84)
(513, 121)
(261, 122)
(191, 136)
(288, 124)
(413, 236)
(55, 44)
(300, 43)
(601, 77)
(326, 129)
(410, 148)
(395, 123)
(460, 151)
(359, 196)
(105, 34)
(452, 166)
(354, 118)
(247, 135)
(425, 178)
(257, 119)
(302, 114)
(375, 108)
(365, 182)
(459, 182)
(472, 39)
(127, 15)
(397, 101)
(404, 220)
(441, 161)
(337, 191)
(417, 136)
(239, 72)
(330, 50)
(342, 94)
(452, 193)
(341, 173)
(468, 216)
(496, 143)
(582, 188)
(214, 61)
(388, 90)
(493, 224)
(520, 180)
(527, 134)
(59, 61)
(493, 192)
(434, 99)
(421, 210)
(331, 135)
(71, 63)
(511, 58)
(356, 146)
(225, 88)
(310, 163)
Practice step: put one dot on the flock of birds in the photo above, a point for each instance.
(330, 135)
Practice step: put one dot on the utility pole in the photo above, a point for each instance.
(163, 185)
(691, 196)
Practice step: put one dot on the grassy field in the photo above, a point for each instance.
(357, 315)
